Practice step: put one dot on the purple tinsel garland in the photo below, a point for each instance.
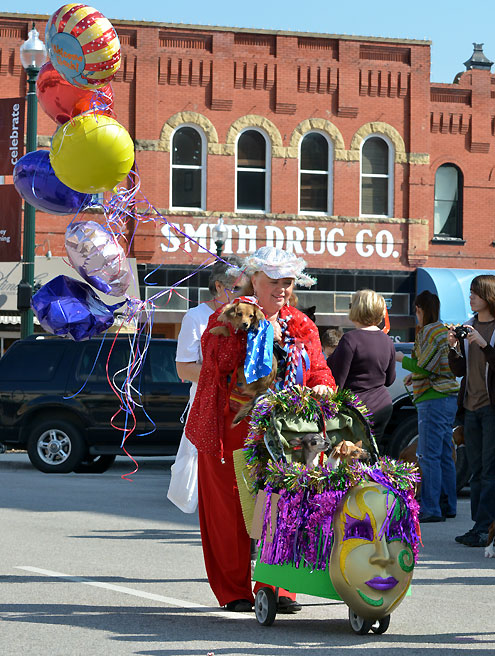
(304, 534)
(309, 497)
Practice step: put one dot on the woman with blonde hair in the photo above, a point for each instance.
(364, 360)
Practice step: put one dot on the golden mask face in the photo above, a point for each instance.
(371, 564)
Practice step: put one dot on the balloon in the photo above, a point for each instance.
(65, 306)
(62, 100)
(83, 46)
(372, 561)
(98, 257)
(92, 153)
(36, 182)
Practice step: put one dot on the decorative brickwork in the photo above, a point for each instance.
(224, 80)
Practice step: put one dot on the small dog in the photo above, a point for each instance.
(245, 316)
(255, 389)
(346, 451)
(241, 316)
(312, 444)
(490, 548)
(409, 453)
(310, 312)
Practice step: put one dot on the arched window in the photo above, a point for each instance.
(188, 169)
(448, 202)
(376, 177)
(252, 172)
(315, 179)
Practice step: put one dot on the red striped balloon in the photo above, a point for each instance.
(83, 46)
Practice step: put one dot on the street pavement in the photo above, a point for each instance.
(91, 564)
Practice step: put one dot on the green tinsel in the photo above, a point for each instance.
(292, 476)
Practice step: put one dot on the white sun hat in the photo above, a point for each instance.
(276, 263)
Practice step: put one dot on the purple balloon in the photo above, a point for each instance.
(65, 306)
(97, 256)
(36, 182)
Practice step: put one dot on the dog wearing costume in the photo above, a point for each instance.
(241, 315)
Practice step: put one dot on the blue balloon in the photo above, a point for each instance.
(36, 182)
(65, 306)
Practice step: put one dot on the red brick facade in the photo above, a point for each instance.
(224, 80)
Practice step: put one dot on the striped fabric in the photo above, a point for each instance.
(293, 353)
(431, 350)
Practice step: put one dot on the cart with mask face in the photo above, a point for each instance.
(347, 532)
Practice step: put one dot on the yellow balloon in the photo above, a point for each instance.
(92, 153)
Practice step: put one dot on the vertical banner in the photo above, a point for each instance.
(10, 224)
(11, 133)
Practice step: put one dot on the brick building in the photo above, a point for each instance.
(337, 147)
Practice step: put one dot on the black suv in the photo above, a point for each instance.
(56, 402)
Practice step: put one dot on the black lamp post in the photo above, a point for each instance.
(33, 56)
(220, 234)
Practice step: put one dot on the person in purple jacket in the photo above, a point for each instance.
(364, 360)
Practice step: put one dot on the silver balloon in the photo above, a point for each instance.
(98, 257)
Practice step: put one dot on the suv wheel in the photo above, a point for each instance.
(406, 435)
(55, 446)
(403, 436)
(94, 465)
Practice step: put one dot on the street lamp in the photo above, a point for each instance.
(219, 233)
(33, 56)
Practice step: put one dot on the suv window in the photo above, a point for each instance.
(161, 359)
(93, 362)
(30, 362)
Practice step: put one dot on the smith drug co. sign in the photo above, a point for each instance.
(316, 242)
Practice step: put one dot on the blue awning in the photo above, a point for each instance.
(452, 288)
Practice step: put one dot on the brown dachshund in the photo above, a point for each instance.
(245, 316)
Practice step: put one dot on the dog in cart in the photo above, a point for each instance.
(345, 530)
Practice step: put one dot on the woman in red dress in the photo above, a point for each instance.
(226, 544)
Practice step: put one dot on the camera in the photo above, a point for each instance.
(461, 332)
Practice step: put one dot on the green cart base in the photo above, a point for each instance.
(297, 579)
(306, 581)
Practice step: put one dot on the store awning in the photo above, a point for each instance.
(452, 288)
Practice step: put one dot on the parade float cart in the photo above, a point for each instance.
(347, 532)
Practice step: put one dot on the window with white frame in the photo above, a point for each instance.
(315, 173)
(188, 169)
(253, 171)
(376, 177)
(448, 202)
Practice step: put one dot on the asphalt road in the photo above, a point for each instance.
(93, 564)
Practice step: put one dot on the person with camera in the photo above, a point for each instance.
(435, 395)
(472, 356)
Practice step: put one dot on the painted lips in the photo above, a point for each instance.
(382, 584)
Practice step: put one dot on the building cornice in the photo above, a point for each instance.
(242, 30)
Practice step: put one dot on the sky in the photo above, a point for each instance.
(451, 26)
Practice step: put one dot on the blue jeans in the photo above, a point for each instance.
(479, 436)
(438, 475)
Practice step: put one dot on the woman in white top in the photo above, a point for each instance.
(225, 283)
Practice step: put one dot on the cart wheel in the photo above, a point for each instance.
(358, 624)
(383, 625)
(265, 606)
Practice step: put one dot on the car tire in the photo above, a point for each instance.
(56, 446)
(406, 435)
(94, 465)
(403, 436)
